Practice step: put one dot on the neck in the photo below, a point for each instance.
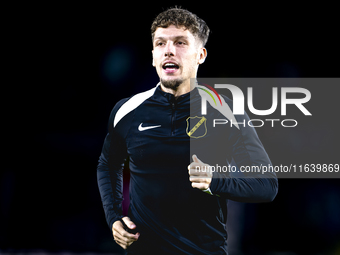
(181, 90)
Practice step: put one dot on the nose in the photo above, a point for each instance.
(169, 49)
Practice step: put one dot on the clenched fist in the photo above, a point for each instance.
(200, 174)
(121, 234)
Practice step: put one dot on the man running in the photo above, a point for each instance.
(177, 206)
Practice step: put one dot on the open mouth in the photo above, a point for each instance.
(170, 66)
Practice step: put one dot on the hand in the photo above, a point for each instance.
(200, 174)
(121, 236)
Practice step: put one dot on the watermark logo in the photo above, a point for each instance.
(216, 101)
(209, 95)
(238, 100)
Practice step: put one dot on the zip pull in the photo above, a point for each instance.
(173, 104)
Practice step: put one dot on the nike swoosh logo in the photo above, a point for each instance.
(140, 128)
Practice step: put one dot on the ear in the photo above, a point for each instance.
(202, 55)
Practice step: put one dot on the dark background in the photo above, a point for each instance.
(71, 63)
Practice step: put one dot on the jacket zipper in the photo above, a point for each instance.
(173, 107)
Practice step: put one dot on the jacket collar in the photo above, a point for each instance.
(169, 98)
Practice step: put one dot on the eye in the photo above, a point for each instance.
(180, 43)
(159, 43)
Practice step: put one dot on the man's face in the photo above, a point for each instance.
(176, 55)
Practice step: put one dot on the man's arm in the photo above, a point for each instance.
(110, 183)
(110, 173)
(246, 150)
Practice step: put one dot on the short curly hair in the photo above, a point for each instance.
(181, 17)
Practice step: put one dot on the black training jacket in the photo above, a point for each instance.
(159, 134)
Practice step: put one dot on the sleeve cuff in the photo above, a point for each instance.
(214, 184)
(208, 191)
